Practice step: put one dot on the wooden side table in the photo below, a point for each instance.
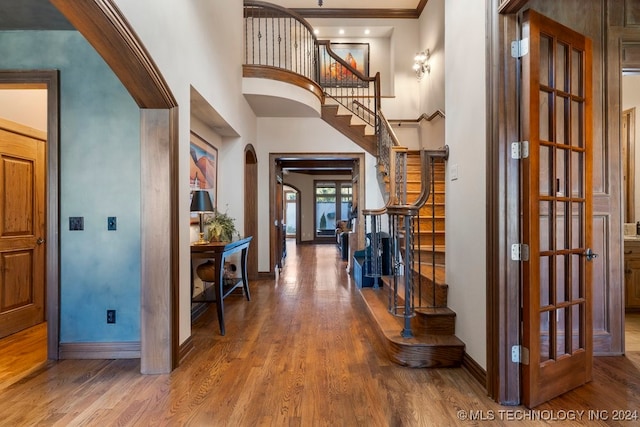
(217, 252)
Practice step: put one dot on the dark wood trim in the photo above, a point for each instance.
(511, 6)
(322, 12)
(421, 7)
(50, 80)
(185, 349)
(266, 275)
(359, 160)
(503, 304)
(251, 207)
(474, 369)
(104, 26)
(282, 75)
(174, 285)
(100, 350)
(158, 246)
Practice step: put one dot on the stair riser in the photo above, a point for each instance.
(426, 210)
(429, 357)
(415, 187)
(434, 324)
(426, 238)
(424, 294)
(426, 224)
(425, 256)
(416, 175)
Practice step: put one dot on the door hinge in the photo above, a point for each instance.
(520, 150)
(519, 252)
(520, 354)
(519, 48)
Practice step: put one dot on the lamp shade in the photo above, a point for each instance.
(201, 201)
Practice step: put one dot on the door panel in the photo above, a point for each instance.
(557, 209)
(22, 227)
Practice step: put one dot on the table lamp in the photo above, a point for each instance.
(201, 203)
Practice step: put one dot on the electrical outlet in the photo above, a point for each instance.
(112, 224)
(111, 316)
(76, 223)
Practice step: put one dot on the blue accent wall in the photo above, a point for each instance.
(99, 177)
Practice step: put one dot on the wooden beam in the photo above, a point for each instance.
(106, 29)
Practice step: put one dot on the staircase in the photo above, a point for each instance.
(418, 332)
(433, 343)
(349, 125)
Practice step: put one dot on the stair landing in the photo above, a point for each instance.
(420, 351)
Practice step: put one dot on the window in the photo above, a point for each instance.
(333, 201)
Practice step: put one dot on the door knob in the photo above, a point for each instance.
(590, 254)
(40, 241)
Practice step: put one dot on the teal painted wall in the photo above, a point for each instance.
(99, 177)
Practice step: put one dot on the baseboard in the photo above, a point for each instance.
(185, 349)
(100, 350)
(266, 275)
(474, 369)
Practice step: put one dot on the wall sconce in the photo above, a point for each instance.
(201, 203)
(421, 63)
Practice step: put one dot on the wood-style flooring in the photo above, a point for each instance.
(302, 352)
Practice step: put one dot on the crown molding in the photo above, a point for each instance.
(317, 12)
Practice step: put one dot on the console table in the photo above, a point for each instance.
(217, 252)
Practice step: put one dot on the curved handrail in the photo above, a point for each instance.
(346, 84)
(283, 10)
(332, 54)
(278, 37)
(425, 182)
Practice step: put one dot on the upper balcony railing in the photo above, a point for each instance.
(279, 38)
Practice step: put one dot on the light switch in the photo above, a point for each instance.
(453, 172)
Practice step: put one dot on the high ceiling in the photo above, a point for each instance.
(41, 15)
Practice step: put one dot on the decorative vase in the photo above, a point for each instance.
(206, 271)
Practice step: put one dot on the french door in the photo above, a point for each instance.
(556, 209)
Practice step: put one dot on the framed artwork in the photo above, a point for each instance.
(355, 54)
(203, 169)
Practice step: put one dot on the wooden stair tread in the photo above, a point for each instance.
(419, 351)
(428, 272)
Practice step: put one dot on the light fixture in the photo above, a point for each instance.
(201, 203)
(421, 63)
(319, 2)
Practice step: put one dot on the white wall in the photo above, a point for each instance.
(302, 135)
(199, 43)
(25, 106)
(432, 85)
(631, 99)
(465, 132)
(393, 57)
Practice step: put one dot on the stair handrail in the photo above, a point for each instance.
(427, 158)
(424, 116)
(421, 117)
(288, 41)
(345, 84)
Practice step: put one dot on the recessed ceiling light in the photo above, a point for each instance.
(316, 31)
(341, 31)
(367, 31)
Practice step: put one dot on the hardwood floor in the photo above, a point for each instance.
(632, 332)
(301, 352)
